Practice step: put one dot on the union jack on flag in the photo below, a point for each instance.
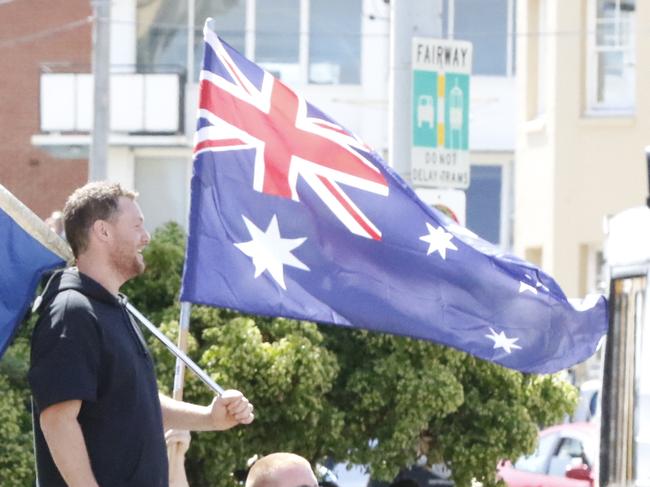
(293, 215)
(243, 107)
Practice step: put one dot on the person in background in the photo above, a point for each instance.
(55, 222)
(177, 474)
(281, 470)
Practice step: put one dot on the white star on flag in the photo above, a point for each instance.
(532, 289)
(502, 341)
(269, 251)
(438, 240)
(523, 287)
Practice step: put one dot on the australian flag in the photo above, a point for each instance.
(293, 215)
(23, 259)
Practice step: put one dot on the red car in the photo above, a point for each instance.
(566, 456)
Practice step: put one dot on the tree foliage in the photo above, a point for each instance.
(320, 391)
(16, 457)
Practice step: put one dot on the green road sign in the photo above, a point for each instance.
(440, 113)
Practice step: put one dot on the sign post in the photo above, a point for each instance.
(440, 121)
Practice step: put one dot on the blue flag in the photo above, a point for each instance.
(292, 215)
(23, 259)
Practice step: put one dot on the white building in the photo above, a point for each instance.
(337, 53)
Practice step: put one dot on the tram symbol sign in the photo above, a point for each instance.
(440, 107)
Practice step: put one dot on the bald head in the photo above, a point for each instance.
(281, 470)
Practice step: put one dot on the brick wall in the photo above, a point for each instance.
(41, 181)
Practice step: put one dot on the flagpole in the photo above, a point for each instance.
(175, 452)
(183, 332)
(177, 475)
(175, 350)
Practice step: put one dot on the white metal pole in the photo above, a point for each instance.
(510, 41)
(175, 450)
(190, 40)
(183, 331)
(398, 88)
(451, 18)
(175, 350)
(97, 169)
(407, 19)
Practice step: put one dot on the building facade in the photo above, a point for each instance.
(58, 37)
(340, 63)
(490, 27)
(582, 124)
(337, 54)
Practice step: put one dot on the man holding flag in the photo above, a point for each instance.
(100, 419)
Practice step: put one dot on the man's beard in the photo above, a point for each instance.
(127, 264)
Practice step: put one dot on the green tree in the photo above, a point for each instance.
(16, 462)
(16, 453)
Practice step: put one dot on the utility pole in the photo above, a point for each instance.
(408, 19)
(101, 89)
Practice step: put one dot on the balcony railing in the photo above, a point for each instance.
(150, 103)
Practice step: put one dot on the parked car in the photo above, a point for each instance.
(566, 456)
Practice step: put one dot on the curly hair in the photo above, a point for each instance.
(94, 201)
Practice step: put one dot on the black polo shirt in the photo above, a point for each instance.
(86, 347)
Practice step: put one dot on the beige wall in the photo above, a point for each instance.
(533, 168)
(572, 168)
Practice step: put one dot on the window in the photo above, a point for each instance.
(162, 31)
(569, 453)
(229, 17)
(277, 38)
(537, 462)
(489, 26)
(334, 41)
(161, 36)
(485, 25)
(156, 176)
(298, 41)
(484, 202)
(611, 55)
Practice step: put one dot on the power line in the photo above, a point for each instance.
(26, 39)
(11, 42)
(486, 33)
